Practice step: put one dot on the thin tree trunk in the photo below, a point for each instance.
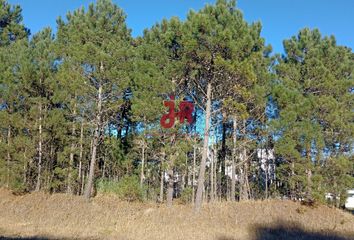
(170, 187)
(266, 175)
(91, 146)
(161, 177)
(185, 174)
(96, 136)
(220, 179)
(82, 182)
(104, 166)
(244, 185)
(142, 164)
(309, 183)
(228, 190)
(201, 178)
(223, 178)
(292, 187)
(38, 185)
(248, 189)
(25, 167)
(161, 185)
(81, 154)
(189, 177)
(215, 172)
(51, 163)
(212, 178)
(8, 156)
(233, 170)
(309, 175)
(71, 157)
(233, 180)
(193, 174)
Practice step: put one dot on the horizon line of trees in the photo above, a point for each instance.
(80, 109)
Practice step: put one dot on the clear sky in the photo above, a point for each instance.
(280, 18)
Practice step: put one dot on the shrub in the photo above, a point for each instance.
(127, 188)
(186, 195)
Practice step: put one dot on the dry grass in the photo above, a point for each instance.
(61, 216)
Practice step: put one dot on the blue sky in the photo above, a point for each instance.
(280, 18)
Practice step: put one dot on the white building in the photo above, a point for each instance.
(266, 159)
(349, 203)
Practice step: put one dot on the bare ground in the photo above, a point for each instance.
(59, 216)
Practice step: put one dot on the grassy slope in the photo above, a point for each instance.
(60, 216)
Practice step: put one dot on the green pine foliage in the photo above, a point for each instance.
(127, 188)
(316, 128)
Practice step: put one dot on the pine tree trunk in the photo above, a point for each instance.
(104, 166)
(266, 177)
(193, 174)
(215, 172)
(81, 155)
(201, 178)
(233, 178)
(71, 157)
(244, 195)
(228, 190)
(212, 178)
(309, 183)
(244, 184)
(142, 164)
(25, 168)
(8, 156)
(247, 183)
(161, 177)
(96, 136)
(223, 178)
(51, 163)
(38, 185)
(292, 187)
(189, 177)
(161, 185)
(83, 182)
(170, 187)
(220, 180)
(185, 174)
(309, 175)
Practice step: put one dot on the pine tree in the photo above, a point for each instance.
(97, 44)
(161, 60)
(149, 85)
(224, 58)
(313, 94)
(37, 76)
(13, 40)
(11, 26)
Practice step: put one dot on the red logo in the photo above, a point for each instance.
(185, 112)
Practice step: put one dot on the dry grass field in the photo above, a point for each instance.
(42, 216)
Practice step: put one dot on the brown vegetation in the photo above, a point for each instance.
(62, 216)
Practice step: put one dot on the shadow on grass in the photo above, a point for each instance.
(292, 231)
(283, 230)
(25, 238)
(37, 238)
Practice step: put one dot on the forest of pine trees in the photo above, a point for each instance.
(80, 108)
